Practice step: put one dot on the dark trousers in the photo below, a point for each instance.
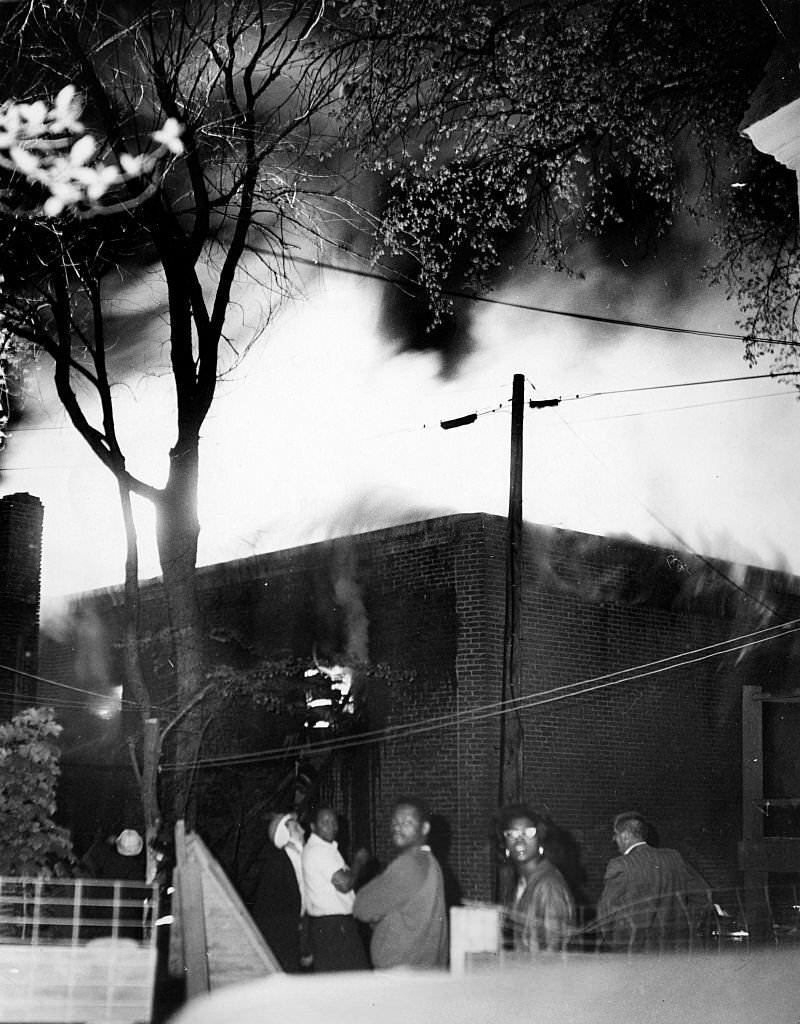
(336, 943)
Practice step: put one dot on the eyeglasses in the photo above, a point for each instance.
(520, 833)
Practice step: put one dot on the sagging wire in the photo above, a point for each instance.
(73, 689)
(492, 710)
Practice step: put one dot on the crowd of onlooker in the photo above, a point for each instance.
(319, 913)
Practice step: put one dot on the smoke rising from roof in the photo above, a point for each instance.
(347, 591)
(323, 429)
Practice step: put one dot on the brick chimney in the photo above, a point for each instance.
(21, 518)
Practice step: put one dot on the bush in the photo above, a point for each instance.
(30, 841)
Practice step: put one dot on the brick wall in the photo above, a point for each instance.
(667, 744)
(426, 600)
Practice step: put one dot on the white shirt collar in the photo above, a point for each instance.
(315, 840)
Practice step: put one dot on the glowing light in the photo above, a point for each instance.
(343, 687)
(109, 706)
(340, 675)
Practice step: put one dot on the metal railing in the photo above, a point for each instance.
(39, 911)
(729, 920)
(77, 950)
(698, 922)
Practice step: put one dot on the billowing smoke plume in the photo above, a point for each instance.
(348, 594)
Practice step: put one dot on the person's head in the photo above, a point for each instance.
(630, 827)
(128, 843)
(296, 832)
(410, 824)
(324, 823)
(284, 829)
(524, 831)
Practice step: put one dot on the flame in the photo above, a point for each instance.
(599, 466)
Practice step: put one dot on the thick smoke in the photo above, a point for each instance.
(347, 589)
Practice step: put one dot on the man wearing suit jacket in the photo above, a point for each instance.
(652, 899)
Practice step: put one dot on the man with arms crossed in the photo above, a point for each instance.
(335, 942)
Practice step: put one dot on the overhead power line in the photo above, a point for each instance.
(471, 417)
(487, 711)
(684, 408)
(65, 704)
(681, 384)
(550, 402)
(503, 406)
(67, 686)
(644, 325)
(467, 418)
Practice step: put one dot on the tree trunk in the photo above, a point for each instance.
(147, 767)
(151, 753)
(177, 530)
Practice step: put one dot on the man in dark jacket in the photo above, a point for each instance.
(272, 890)
(652, 899)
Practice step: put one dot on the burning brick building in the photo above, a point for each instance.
(634, 661)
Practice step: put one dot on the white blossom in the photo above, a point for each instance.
(131, 165)
(25, 161)
(83, 150)
(66, 111)
(50, 146)
(169, 136)
(33, 117)
(56, 204)
(102, 179)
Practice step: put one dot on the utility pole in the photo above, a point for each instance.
(511, 755)
(511, 778)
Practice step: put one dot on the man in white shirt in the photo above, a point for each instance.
(335, 940)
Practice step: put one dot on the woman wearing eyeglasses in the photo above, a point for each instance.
(541, 910)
